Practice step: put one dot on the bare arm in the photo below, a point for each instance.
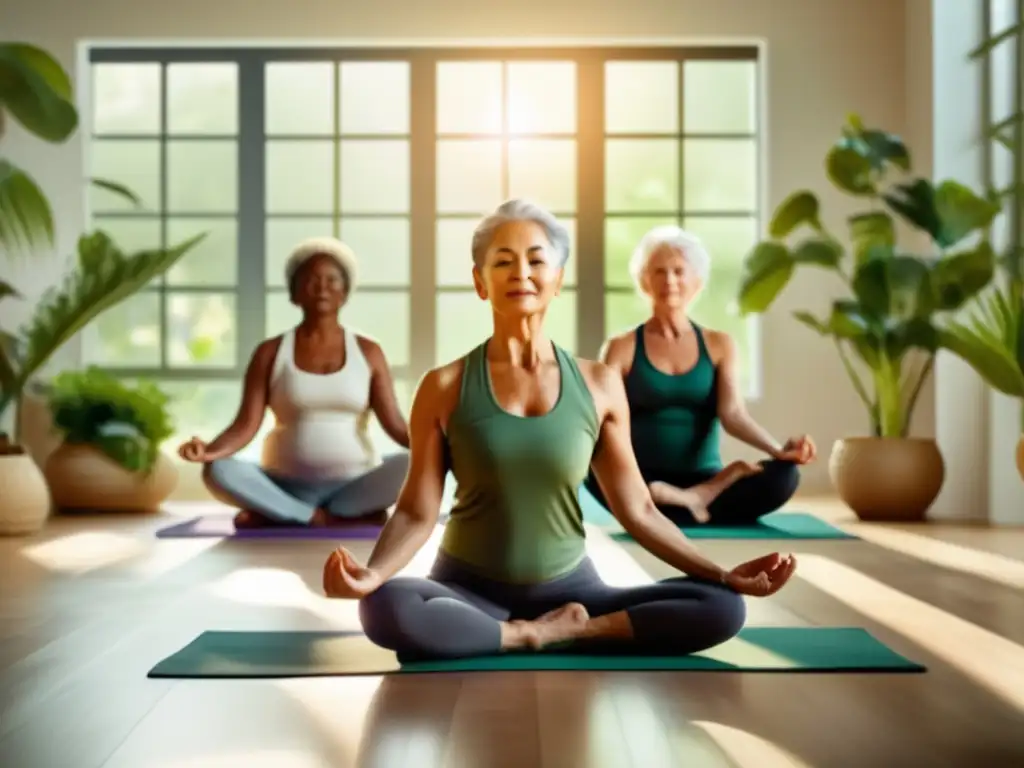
(382, 394)
(253, 407)
(617, 353)
(623, 486)
(732, 410)
(419, 503)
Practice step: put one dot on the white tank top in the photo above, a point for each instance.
(322, 420)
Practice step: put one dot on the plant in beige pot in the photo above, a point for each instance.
(110, 458)
(36, 93)
(886, 331)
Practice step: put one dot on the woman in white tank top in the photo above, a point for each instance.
(322, 382)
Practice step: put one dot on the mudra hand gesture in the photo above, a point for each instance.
(345, 577)
(799, 450)
(763, 576)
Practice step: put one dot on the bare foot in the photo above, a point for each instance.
(249, 519)
(698, 497)
(559, 625)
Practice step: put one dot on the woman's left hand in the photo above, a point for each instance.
(799, 450)
(762, 577)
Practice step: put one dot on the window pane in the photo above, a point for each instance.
(282, 235)
(621, 237)
(126, 98)
(299, 98)
(727, 239)
(375, 176)
(383, 317)
(720, 175)
(544, 171)
(201, 330)
(382, 249)
(641, 97)
(136, 164)
(542, 97)
(202, 98)
(454, 257)
(374, 97)
(469, 96)
(464, 320)
(720, 96)
(131, 234)
(299, 178)
(201, 409)
(404, 390)
(126, 335)
(214, 262)
(624, 310)
(453, 251)
(202, 176)
(642, 175)
(468, 176)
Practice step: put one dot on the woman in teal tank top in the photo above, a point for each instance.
(520, 421)
(682, 383)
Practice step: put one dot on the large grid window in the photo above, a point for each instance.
(400, 153)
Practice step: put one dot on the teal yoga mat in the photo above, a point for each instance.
(317, 654)
(778, 525)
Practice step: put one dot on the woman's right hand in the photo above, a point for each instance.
(194, 450)
(346, 578)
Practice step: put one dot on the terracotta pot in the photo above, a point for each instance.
(83, 478)
(26, 499)
(1020, 456)
(887, 479)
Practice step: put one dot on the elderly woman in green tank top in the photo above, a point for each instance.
(520, 421)
(683, 386)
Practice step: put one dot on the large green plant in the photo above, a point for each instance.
(990, 337)
(897, 299)
(126, 423)
(36, 92)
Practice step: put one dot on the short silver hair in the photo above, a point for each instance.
(520, 210)
(334, 249)
(689, 245)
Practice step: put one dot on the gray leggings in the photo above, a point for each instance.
(455, 613)
(246, 485)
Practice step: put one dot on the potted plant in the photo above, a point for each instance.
(991, 336)
(37, 93)
(887, 330)
(110, 458)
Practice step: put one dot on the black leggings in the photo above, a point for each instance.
(454, 613)
(742, 503)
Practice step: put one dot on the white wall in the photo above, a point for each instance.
(826, 58)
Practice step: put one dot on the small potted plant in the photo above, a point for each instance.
(889, 328)
(110, 458)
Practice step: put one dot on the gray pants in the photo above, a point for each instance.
(246, 485)
(455, 613)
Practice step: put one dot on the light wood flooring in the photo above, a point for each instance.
(90, 604)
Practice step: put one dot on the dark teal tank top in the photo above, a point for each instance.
(673, 418)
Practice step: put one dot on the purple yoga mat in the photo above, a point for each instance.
(223, 527)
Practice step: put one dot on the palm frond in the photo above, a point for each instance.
(26, 220)
(118, 189)
(104, 278)
(989, 339)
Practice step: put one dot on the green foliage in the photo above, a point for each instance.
(126, 423)
(103, 277)
(897, 299)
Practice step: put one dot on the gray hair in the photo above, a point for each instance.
(342, 255)
(520, 210)
(689, 245)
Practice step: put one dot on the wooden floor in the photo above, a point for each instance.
(89, 605)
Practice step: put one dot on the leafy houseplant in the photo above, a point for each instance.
(126, 423)
(991, 336)
(892, 317)
(36, 92)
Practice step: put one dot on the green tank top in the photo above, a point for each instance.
(673, 419)
(517, 517)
